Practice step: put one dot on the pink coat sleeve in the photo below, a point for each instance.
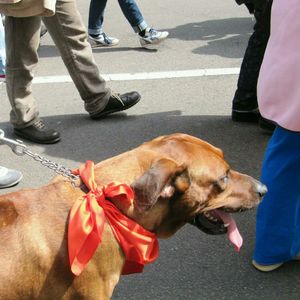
(278, 87)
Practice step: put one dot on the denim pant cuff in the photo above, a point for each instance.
(142, 26)
(95, 31)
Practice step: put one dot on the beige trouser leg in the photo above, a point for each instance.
(69, 34)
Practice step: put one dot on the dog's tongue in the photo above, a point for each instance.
(233, 233)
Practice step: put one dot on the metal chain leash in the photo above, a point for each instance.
(20, 149)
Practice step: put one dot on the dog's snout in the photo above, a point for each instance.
(261, 189)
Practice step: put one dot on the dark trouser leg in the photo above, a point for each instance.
(244, 106)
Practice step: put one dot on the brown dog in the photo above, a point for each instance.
(177, 179)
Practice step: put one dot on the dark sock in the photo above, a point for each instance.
(94, 35)
(142, 33)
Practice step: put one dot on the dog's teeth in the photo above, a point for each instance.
(226, 225)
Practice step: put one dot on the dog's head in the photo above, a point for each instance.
(188, 181)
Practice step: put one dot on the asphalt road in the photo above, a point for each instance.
(204, 35)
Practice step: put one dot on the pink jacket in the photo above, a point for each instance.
(278, 87)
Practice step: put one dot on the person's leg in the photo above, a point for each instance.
(133, 15)
(278, 216)
(96, 16)
(22, 36)
(244, 105)
(147, 35)
(97, 37)
(69, 34)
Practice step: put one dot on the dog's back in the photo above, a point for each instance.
(33, 250)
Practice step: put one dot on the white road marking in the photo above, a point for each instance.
(145, 76)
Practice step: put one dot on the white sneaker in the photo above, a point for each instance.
(102, 40)
(9, 177)
(152, 37)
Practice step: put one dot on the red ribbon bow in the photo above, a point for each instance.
(86, 224)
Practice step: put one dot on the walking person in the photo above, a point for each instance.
(147, 35)
(22, 37)
(244, 104)
(278, 216)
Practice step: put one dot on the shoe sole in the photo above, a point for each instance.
(103, 46)
(239, 116)
(94, 44)
(22, 135)
(152, 45)
(266, 268)
(100, 116)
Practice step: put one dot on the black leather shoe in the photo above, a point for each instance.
(245, 107)
(117, 103)
(38, 133)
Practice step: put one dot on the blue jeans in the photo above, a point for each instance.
(2, 49)
(129, 9)
(278, 215)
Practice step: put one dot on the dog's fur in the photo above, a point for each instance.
(175, 178)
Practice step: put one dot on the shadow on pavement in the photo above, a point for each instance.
(52, 51)
(82, 138)
(224, 37)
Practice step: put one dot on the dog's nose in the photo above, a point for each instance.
(261, 189)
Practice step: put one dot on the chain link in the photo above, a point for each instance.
(19, 148)
(59, 169)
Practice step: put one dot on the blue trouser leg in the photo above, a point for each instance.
(96, 16)
(278, 215)
(133, 15)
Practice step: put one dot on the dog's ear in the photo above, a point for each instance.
(163, 179)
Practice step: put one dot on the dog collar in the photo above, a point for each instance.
(86, 224)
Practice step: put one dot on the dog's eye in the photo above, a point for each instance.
(224, 179)
(221, 184)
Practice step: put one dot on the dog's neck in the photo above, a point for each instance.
(124, 209)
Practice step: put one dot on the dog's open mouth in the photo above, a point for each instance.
(219, 222)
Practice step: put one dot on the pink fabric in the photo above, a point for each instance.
(278, 87)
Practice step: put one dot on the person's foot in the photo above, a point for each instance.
(266, 268)
(117, 103)
(9, 177)
(38, 132)
(245, 107)
(102, 40)
(151, 37)
(269, 268)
